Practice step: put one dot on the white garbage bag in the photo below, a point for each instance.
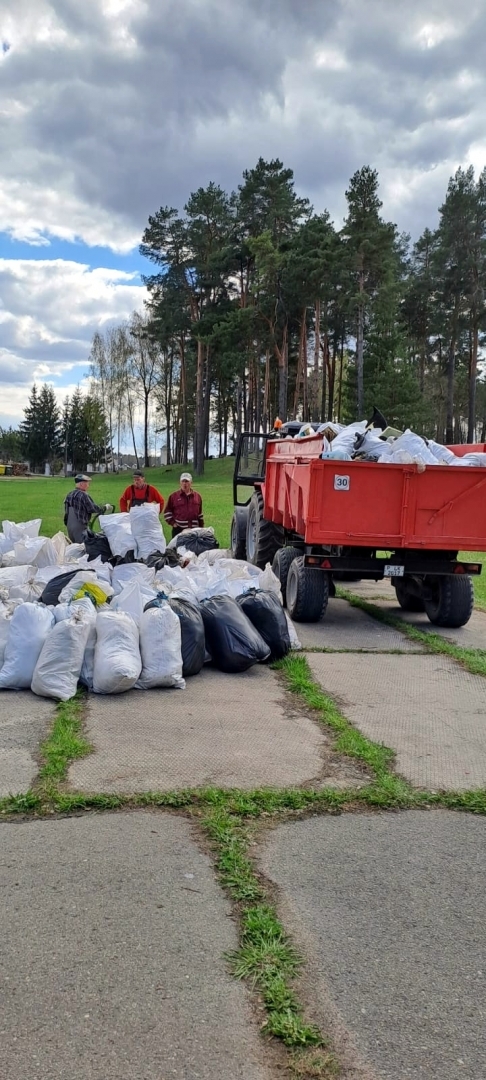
(475, 459)
(61, 543)
(35, 551)
(132, 599)
(18, 530)
(442, 453)
(118, 530)
(147, 530)
(29, 627)
(5, 618)
(117, 661)
(58, 668)
(345, 439)
(16, 575)
(5, 544)
(269, 582)
(414, 445)
(74, 552)
(125, 573)
(160, 644)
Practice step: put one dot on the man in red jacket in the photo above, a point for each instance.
(184, 507)
(139, 493)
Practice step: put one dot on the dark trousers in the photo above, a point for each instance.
(176, 530)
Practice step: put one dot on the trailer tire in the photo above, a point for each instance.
(451, 600)
(408, 601)
(307, 592)
(263, 538)
(282, 561)
(239, 523)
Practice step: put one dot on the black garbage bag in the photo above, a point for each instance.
(232, 640)
(118, 560)
(96, 544)
(196, 540)
(55, 586)
(193, 637)
(159, 559)
(264, 610)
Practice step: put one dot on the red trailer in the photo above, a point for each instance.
(317, 519)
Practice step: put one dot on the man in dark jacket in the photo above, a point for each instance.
(79, 508)
(184, 507)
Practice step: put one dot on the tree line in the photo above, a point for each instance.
(260, 307)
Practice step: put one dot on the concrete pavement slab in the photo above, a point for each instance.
(345, 627)
(426, 708)
(471, 636)
(24, 724)
(113, 942)
(223, 730)
(389, 911)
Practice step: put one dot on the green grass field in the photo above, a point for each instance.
(43, 497)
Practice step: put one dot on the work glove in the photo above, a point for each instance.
(108, 508)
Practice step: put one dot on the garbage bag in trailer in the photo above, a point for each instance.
(231, 638)
(266, 613)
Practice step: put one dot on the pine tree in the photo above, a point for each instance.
(41, 428)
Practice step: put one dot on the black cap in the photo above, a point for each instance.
(138, 472)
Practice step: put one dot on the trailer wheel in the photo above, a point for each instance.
(282, 561)
(307, 592)
(408, 600)
(263, 538)
(239, 523)
(449, 601)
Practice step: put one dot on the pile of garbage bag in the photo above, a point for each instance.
(375, 441)
(124, 611)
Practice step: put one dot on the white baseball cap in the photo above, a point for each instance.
(186, 476)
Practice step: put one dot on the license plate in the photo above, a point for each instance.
(393, 571)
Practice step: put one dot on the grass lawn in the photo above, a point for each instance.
(43, 497)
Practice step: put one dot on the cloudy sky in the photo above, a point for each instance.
(112, 108)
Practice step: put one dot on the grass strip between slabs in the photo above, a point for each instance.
(266, 957)
(474, 660)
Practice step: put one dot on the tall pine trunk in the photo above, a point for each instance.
(473, 369)
(360, 360)
(200, 413)
(283, 376)
(314, 395)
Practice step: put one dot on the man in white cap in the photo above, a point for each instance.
(79, 508)
(184, 507)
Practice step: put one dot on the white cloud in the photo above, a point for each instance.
(112, 108)
(49, 311)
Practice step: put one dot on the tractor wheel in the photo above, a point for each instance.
(263, 538)
(408, 600)
(239, 523)
(281, 566)
(449, 601)
(307, 592)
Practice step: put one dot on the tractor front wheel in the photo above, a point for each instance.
(263, 538)
(239, 524)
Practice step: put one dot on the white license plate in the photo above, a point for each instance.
(393, 571)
